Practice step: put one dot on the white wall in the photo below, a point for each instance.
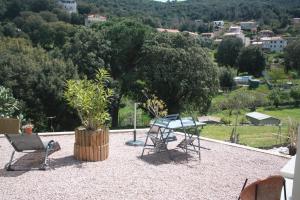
(296, 184)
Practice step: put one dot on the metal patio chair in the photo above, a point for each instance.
(160, 135)
(267, 189)
(25, 143)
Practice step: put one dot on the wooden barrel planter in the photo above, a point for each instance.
(91, 145)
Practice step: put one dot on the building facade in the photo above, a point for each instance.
(92, 19)
(218, 24)
(273, 44)
(69, 5)
(249, 26)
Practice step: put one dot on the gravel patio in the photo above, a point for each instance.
(218, 176)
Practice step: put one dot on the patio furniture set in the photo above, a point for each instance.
(162, 131)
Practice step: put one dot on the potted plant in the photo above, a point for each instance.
(91, 99)
(292, 134)
(27, 128)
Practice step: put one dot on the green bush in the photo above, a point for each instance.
(226, 78)
(226, 120)
(90, 98)
(295, 94)
(8, 104)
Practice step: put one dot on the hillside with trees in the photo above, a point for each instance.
(183, 14)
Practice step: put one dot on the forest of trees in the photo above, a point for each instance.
(42, 46)
(182, 15)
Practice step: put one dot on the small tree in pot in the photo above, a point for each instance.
(91, 99)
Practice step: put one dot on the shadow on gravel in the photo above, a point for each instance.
(32, 162)
(163, 157)
(64, 162)
(4, 173)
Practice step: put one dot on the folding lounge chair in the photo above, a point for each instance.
(267, 189)
(30, 144)
(25, 143)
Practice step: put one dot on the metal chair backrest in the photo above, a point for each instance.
(9, 126)
(24, 142)
(267, 189)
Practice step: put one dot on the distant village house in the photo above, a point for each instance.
(273, 44)
(69, 5)
(175, 31)
(249, 26)
(168, 30)
(218, 24)
(265, 33)
(296, 20)
(94, 18)
(236, 31)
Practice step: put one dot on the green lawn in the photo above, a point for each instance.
(255, 136)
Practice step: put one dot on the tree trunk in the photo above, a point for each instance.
(115, 116)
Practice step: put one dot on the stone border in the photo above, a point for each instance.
(145, 129)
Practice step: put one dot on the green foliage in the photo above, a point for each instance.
(226, 78)
(293, 126)
(226, 120)
(87, 49)
(276, 74)
(251, 59)
(8, 104)
(37, 79)
(155, 106)
(291, 56)
(125, 37)
(275, 97)
(295, 94)
(228, 51)
(43, 29)
(90, 98)
(182, 14)
(178, 71)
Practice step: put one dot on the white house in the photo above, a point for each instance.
(266, 33)
(249, 26)
(236, 31)
(218, 24)
(68, 5)
(296, 20)
(273, 44)
(93, 18)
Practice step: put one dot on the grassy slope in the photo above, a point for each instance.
(255, 136)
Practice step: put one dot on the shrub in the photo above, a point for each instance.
(90, 98)
(295, 94)
(8, 104)
(226, 120)
(226, 78)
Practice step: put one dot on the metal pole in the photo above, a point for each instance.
(135, 142)
(134, 123)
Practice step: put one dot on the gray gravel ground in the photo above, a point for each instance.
(219, 175)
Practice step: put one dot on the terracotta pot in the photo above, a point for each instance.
(28, 130)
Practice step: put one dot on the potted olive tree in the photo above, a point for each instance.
(91, 99)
